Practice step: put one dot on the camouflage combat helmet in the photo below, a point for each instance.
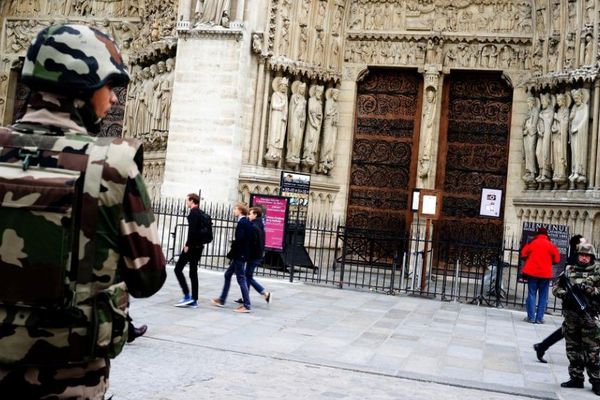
(74, 59)
(586, 248)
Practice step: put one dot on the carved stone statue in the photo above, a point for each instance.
(587, 51)
(285, 37)
(330, 129)
(303, 43)
(530, 138)
(157, 96)
(297, 123)
(543, 150)
(578, 134)
(319, 49)
(167, 89)
(313, 128)
(560, 137)
(212, 11)
(132, 98)
(429, 112)
(277, 120)
(142, 110)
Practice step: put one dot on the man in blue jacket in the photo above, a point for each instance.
(239, 255)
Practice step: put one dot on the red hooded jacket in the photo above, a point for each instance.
(540, 254)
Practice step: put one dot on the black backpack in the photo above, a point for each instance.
(206, 233)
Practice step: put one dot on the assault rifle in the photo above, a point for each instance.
(574, 294)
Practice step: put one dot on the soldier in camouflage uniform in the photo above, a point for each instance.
(582, 329)
(71, 70)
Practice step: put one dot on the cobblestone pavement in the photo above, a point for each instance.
(323, 343)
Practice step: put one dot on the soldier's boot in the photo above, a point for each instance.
(573, 383)
(596, 388)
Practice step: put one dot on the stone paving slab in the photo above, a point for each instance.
(319, 342)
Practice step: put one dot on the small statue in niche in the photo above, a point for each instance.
(313, 128)
(277, 120)
(530, 138)
(330, 129)
(560, 137)
(297, 123)
(544, 142)
(578, 135)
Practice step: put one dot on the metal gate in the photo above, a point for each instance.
(473, 154)
(384, 153)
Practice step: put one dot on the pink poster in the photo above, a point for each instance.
(275, 211)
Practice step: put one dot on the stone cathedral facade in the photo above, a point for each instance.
(373, 98)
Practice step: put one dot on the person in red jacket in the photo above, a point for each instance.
(539, 255)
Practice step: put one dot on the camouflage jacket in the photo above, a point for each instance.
(122, 247)
(588, 279)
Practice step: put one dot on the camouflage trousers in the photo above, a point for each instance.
(582, 337)
(88, 381)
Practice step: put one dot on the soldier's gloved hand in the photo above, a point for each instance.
(588, 289)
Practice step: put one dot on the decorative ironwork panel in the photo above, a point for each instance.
(473, 156)
(383, 156)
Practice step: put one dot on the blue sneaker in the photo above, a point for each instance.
(193, 304)
(186, 301)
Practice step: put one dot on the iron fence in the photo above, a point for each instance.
(384, 262)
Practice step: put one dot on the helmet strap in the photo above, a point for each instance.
(84, 111)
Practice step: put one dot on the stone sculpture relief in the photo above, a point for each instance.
(297, 123)
(589, 12)
(560, 137)
(495, 17)
(330, 129)
(578, 135)
(530, 137)
(543, 150)
(212, 12)
(556, 143)
(277, 121)
(148, 106)
(465, 55)
(313, 127)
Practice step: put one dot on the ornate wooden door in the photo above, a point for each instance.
(385, 150)
(473, 154)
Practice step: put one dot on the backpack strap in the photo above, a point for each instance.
(90, 204)
(105, 182)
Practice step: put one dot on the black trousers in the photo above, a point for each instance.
(192, 256)
(552, 339)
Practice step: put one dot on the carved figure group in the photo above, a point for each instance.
(308, 132)
(497, 17)
(149, 95)
(550, 126)
(213, 12)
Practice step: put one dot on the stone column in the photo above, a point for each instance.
(264, 114)
(594, 168)
(352, 74)
(429, 135)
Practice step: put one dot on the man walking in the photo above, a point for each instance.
(539, 256)
(257, 251)
(239, 255)
(198, 226)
